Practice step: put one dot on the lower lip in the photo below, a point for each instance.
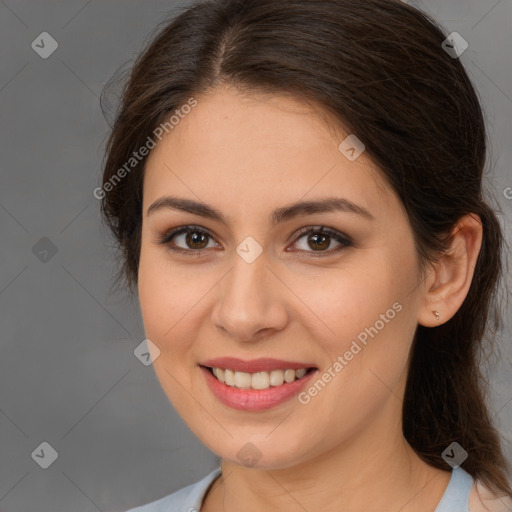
(255, 399)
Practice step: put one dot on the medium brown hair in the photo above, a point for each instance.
(379, 68)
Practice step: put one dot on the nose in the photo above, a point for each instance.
(251, 301)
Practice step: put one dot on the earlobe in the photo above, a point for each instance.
(451, 276)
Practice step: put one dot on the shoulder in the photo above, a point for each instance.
(481, 499)
(186, 499)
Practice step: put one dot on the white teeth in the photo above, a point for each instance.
(289, 375)
(242, 380)
(219, 373)
(229, 378)
(259, 380)
(300, 373)
(276, 377)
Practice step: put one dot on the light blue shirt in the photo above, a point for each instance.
(189, 499)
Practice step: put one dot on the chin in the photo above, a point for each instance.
(264, 454)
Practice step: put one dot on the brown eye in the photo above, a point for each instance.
(189, 239)
(318, 239)
(196, 240)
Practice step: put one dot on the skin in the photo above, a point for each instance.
(246, 155)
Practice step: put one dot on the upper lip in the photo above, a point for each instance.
(254, 365)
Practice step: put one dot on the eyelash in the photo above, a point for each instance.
(339, 237)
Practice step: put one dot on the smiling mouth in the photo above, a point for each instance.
(258, 380)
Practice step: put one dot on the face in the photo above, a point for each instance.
(259, 281)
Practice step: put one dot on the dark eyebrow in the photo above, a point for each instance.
(328, 204)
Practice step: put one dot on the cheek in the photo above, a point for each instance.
(352, 299)
(367, 320)
(173, 300)
(163, 300)
(166, 306)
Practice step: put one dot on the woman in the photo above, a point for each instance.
(296, 188)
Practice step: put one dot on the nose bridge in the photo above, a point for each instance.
(247, 303)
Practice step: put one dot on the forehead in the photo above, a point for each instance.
(228, 116)
(257, 149)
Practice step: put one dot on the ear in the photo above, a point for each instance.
(448, 282)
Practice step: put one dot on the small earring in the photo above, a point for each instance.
(437, 314)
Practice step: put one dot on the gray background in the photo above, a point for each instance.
(68, 373)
